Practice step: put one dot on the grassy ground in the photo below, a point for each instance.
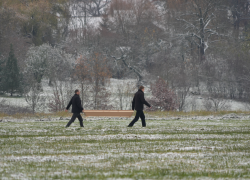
(166, 149)
(151, 114)
(195, 113)
(36, 115)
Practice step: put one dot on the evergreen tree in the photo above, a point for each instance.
(11, 75)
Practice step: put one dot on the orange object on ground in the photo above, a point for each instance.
(107, 113)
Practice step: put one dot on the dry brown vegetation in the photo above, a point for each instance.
(194, 113)
(36, 115)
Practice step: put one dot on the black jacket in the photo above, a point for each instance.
(76, 104)
(139, 101)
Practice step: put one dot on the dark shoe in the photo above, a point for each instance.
(129, 126)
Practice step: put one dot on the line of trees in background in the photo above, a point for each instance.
(182, 48)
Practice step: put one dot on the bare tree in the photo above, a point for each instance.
(196, 18)
(207, 104)
(183, 93)
(125, 92)
(193, 104)
(216, 103)
(34, 98)
(239, 15)
(96, 7)
(182, 82)
(93, 74)
(138, 36)
(62, 92)
(124, 58)
(83, 76)
(86, 8)
(100, 75)
(219, 104)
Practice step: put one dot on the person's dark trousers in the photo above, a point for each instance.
(139, 114)
(76, 115)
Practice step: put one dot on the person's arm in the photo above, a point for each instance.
(133, 104)
(79, 104)
(144, 101)
(70, 102)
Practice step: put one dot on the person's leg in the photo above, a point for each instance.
(72, 120)
(143, 121)
(137, 116)
(80, 120)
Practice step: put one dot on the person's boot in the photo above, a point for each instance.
(66, 126)
(81, 124)
(69, 123)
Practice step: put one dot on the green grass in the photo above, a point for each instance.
(107, 149)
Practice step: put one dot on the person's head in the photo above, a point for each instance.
(77, 91)
(141, 88)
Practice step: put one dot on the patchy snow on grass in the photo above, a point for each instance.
(187, 148)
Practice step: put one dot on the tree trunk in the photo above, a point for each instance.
(50, 82)
(82, 92)
(202, 35)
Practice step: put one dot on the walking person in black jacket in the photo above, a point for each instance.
(76, 108)
(137, 104)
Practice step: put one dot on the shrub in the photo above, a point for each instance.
(163, 98)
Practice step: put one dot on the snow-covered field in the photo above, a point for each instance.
(169, 148)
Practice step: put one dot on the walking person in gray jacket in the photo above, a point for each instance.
(138, 105)
(76, 109)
